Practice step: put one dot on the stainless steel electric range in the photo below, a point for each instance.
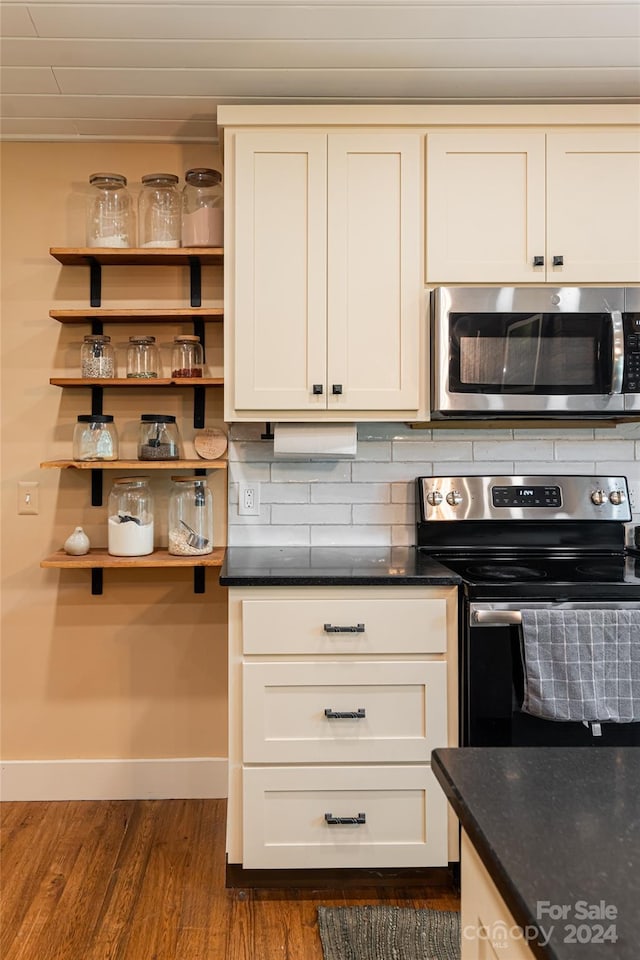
(534, 542)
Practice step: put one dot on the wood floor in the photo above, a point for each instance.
(145, 880)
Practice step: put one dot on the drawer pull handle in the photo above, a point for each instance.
(357, 628)
(331, 820)
(358, 714)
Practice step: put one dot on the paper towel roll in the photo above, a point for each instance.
(314, 441)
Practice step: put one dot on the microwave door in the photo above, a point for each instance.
(522, 355)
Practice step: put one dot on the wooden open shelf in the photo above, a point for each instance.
(124, 315)
(136, 382)
(137, 256)
(138, 465)
(99, 557)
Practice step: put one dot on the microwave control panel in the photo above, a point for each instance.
(631, 381)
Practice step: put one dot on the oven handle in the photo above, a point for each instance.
(495, 618)
(617, 353)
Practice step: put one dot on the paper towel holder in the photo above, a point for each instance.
(268, 432)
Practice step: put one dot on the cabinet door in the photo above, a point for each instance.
(485, 207)
(373, 283)
(594, 205)
(279, 289)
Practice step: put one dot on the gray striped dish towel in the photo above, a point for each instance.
(582, 665)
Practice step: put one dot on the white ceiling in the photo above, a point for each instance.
(157, 69)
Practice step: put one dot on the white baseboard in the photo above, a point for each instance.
(173, 778)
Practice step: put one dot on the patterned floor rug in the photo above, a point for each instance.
(389, 933)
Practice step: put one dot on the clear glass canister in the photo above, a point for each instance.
(190, 516)
(202, 209)
(143, 359)
(97, 357)
(159, 439)
(95, 438)
(110, 219)
(130, 523)
(187, 357)
(159, 210)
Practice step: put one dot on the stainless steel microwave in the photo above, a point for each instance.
(535, 351)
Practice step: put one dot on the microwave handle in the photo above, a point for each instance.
(617, 352)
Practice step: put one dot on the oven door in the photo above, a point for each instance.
(492, 684)
(527, 350)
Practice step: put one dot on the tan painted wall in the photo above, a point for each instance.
(141, 670)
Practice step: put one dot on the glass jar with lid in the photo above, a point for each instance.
(110, 219)
(97, 357)
(202, 210)
(130, 518)
(187, 356)
(159, 210)
(95, 438)
(143, 359)
(190, 517)
(158, 438)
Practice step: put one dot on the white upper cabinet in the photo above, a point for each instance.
(516, 207)
(325, 272)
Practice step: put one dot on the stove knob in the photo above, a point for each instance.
(599, 497)
(616, 497)
(454, 498)
(434, 499)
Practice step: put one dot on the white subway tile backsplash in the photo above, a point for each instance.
(370, 501)
(365, 472)
(311, 471)
(366, 536)
(290, 513)
(512, 450)
(350, 492)
(384, 513)
(433, 450)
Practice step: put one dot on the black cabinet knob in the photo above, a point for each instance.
(317, 388)
(538, 261)
(336, 388)
(558, 261)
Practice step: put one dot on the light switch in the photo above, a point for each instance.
(28, 496)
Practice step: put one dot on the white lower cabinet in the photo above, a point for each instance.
(488, 929)
(337, 697)
(373, 816)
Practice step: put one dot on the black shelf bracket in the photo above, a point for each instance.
(96, 487)
(199, 397)
(198, 579)
(96, 581)
(195, 273)
(95, 282)
(268, 432)
(96, 400)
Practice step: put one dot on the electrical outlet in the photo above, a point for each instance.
(28, 496)
(249, 499)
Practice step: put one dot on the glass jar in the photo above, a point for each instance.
(97, 357)
(202, 212)
(190, 517)
(110, 220)
(158, 439)
(95, 438)
(159, 210)
(143, 360)
(187, 357)
(130, 513)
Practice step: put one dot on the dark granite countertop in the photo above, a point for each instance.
(331, 566)
(560, 825)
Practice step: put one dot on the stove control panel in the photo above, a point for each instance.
(523, 498)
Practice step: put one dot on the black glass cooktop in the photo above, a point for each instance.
(598, 576)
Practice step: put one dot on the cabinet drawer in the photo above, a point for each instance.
(414, 625)
(402, 706)
(285, 817)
